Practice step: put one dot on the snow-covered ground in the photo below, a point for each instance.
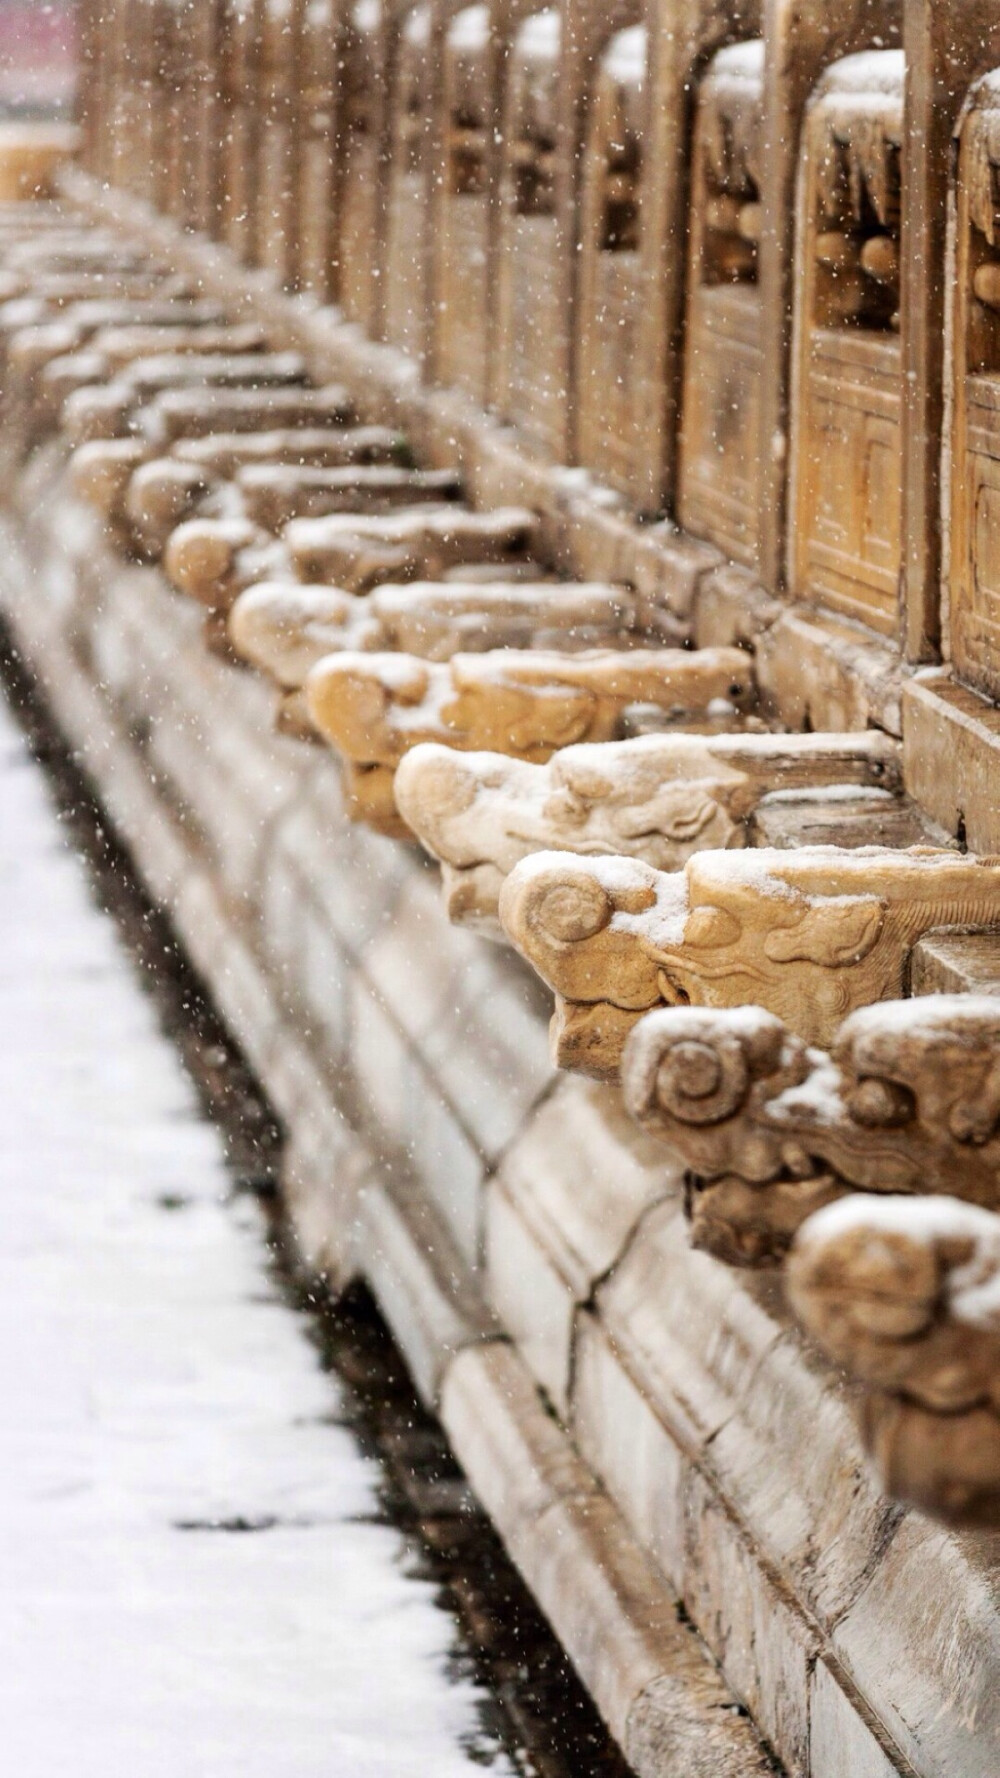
(155, 1394)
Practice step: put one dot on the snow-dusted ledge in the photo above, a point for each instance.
(644, 1426)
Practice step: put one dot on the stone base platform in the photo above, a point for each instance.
(677, 1476)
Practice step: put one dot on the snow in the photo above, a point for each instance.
(469, 31)
(417, 29)
(831, 793)
(366, 17)
(741, 61)
(625, 57)
(927, 1016)
(871, 75)
(538, 38)
(972, 1288)
(153, 1380)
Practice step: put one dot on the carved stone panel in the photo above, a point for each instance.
(534, 326)
(975, 503)
(317, 193)
(847, 465)
(276, 239)
(362, 100)
(720, 445)
(239, 76)
(610, 259)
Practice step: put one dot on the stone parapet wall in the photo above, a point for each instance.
(663, 613)
(519, 1234)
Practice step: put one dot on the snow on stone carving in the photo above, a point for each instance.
(810, 935)
(658, 797)
(107, 410)
(214, 560)
(269, 494)
(285, 629)
(374, 708)
(422, 545)
(907, 1100)
(164, 491)
(905, 1295)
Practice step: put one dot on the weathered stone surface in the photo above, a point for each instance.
(906, 1101)
(375, 708)
(822, 674)
(569, 1193)
(904, 1294)
(658, 797)
(807, 934)
(732, 1384)
(285, 629)
(840, 817)
(421, 1283)
(906, 1638)
(951, 757)
(613, 1611)
(956, 962)
(842, 1744)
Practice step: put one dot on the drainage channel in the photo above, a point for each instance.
(531, 1715)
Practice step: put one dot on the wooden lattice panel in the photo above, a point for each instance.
(719, 472)
(611, 271)
(846, 530)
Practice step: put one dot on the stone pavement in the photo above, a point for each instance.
(195, 1575)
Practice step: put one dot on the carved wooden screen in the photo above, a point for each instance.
(975, 478)
(462, 314)
(845, 535)
(719, 469)
(533, 321)
(611, 270)
(405, 294)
